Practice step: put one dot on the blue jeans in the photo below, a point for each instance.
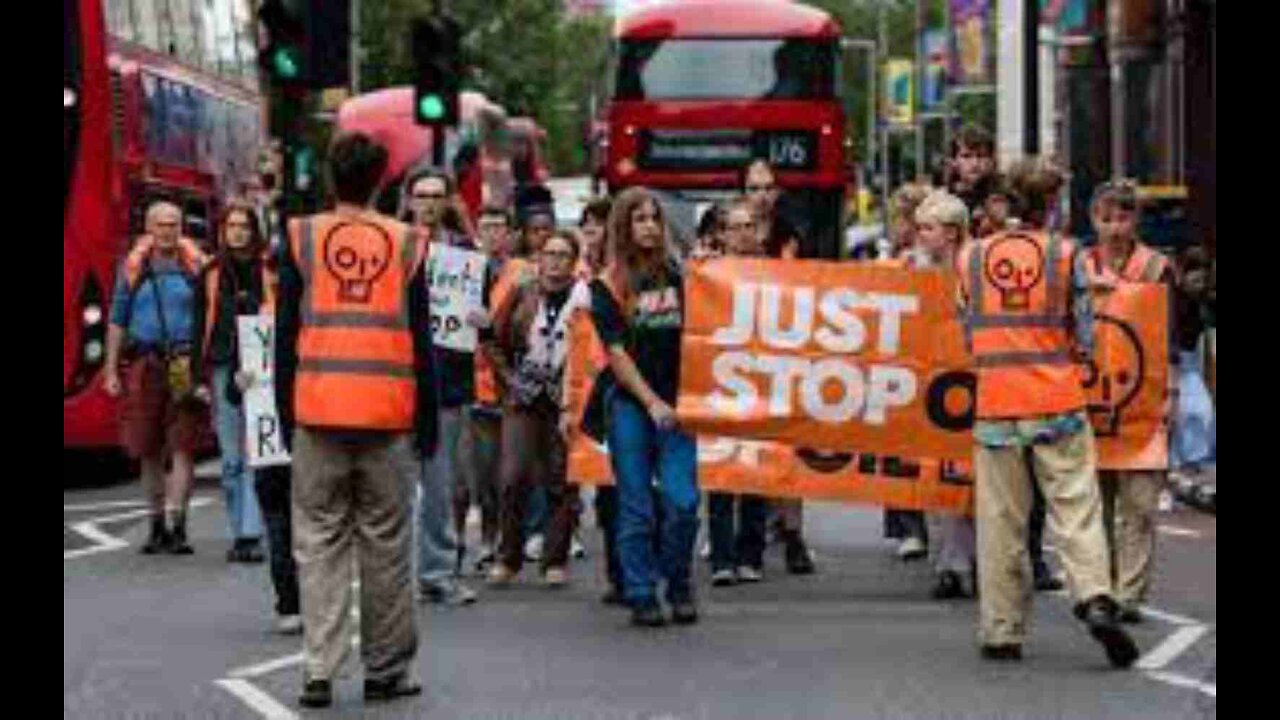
(437, 539)
(746, 547)
(535, 513)
(638, 451)
(244, 517)
(1194, 437)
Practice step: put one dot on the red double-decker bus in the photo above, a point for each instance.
(701, 87)
(137, 123)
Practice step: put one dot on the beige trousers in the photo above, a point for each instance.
(1065, 471)
(1129, 503)
(352, 501)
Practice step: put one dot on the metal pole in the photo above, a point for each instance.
(872, 51)
(884, 126)
(869, 47)
(355, 47)
(919, 90)
(1031, 77)
(948, 98)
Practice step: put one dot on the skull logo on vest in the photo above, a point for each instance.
(1014, 264)
(356, 256)
(1113, 386)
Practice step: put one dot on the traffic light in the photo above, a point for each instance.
(437, 71)
(308, 42)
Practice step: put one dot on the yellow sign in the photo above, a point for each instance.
(899, 92)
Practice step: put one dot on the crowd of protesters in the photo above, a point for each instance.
(393, 437)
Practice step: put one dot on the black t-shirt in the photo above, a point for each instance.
(651, 336)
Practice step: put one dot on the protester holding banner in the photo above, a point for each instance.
(531, 344)
(236, 282)
(942, 228)
(780, 239)
(710, 240)
(738, 557)
(907, 526)
(1029, 321)
(353, 371)
(593, 231)
(536, 217)
(639, 316)
(480, 445)
(428, 194)
(1130, 497)
(591, 236)
(149, 340)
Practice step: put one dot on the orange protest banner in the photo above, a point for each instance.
(769, 468)
(1127, 384)
(844, 356)
(776, 470)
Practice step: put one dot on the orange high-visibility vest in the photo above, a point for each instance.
(1018, 318)
(355, 345)
(190, 256)
(211, 280)
(513, 272)
(1143, 265)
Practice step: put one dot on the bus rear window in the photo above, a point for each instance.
(749, 69)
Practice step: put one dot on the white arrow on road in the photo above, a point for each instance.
(106, 543)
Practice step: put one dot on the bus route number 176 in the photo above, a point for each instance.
(787, 150)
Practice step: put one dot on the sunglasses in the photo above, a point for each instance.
(760, 188)
(429, 196)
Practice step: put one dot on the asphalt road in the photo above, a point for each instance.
(189, 637)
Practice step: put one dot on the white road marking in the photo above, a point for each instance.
(104, 542)
(267, 667)
(104, 505)
(266, 705)
(1179, 532)
(1173, 646)
(1209, 689)
(1169, 617)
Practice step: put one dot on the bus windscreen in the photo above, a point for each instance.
(724, 69)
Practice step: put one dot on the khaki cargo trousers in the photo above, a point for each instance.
(352, 507)
(1130, 500)
(1065, 470)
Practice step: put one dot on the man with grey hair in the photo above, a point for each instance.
(149, 343)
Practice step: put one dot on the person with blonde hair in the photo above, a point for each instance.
(942, 228)
(638, 310)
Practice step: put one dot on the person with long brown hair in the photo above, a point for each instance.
(638, 309)
(237, 282)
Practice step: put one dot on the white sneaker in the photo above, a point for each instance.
(289, 624)
(576, 549)
(533, 548)
(723, 577)
(913, 548)
(748, 574)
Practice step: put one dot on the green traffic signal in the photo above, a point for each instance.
(431, 107)
(285, 63)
